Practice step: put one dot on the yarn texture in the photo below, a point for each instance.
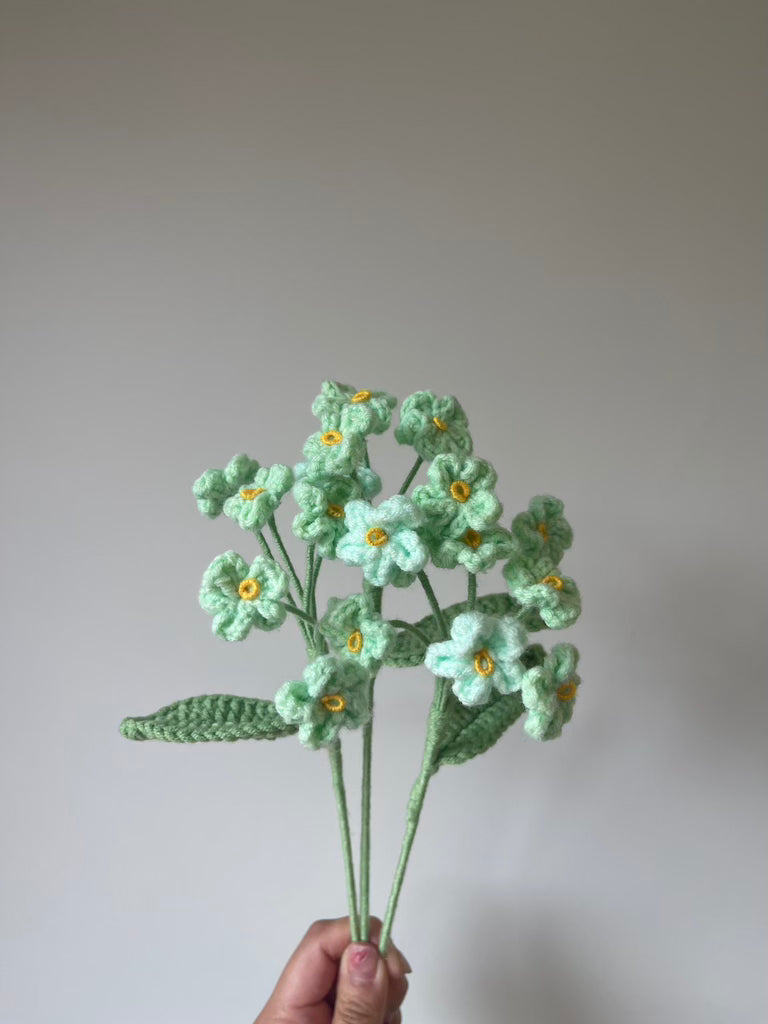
(485, 671)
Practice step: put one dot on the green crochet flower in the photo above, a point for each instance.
(458, 496)
(216, 485)
(342, 407)
(433, 425)
(332, 451)
(384, 541)
(542, 531)
(253, 504)
(332, 694)
(367, 480)
(322, 517)
(356, 630)
(549, 692)
(540, 587)
(482, 654)
(242, 597)
(476, 551)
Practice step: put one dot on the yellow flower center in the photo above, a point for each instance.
(251, 492)
(331, 437)
(249, 590)
(460, 491)
(439, 423)
(362, 396)
(484, 663)
(567, 691)
(333, 702)
(553, 581)
(335, 511)
(376, 537)
(542, 528)
(472, 539)
(355, 642)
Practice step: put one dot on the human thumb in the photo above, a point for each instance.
(361, 990)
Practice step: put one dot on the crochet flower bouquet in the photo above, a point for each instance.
(486, 672)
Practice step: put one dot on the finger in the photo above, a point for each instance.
(362, 988)
(397, 964)
(311, 972)
(395, 1018)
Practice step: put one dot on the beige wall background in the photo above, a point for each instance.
(555, 211)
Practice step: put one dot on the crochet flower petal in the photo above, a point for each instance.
(543, 531)
(333, 694)
(216, 485)
(341, 406)
(433, 425)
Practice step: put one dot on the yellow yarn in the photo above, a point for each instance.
(251, 492)
(567, 691)
(439, 423)
(333, 702)
(484, 663)
(361, 396)
(249, 590)
(355, 642)
(335, 511)
(331, 437)
(553, 581)
(460, 491)
(472, 539)
(376, 537)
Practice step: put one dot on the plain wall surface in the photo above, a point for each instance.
(555, 211)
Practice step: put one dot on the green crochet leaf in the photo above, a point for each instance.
(406, 650)
(210, 718)
(467, 732)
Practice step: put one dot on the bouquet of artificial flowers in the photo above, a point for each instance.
(486, 672)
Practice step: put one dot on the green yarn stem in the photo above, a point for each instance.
(471, 591)
(409, 479)
(402, 624)
(365, 830)
(286, 556)
(267, 551)
(337, 774)
(434, 604)
(298, 612)
(312, 598)
(415, 804)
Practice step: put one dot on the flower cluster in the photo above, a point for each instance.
(452, 519)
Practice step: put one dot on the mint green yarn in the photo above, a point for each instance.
(322, 500)
(355, 615)
(558, 605)
(253, 512)
(483, 654)
(364, 480)
(549, 692)
(336, 410)
(216, 485)
(418, 429)
(233, 616)
(475, 553)
(342, 456)
(458, 496)
(299, 702)
(401, 555)
(543, 532)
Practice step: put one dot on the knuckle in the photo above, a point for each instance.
(354, 1011)
(317, 926)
